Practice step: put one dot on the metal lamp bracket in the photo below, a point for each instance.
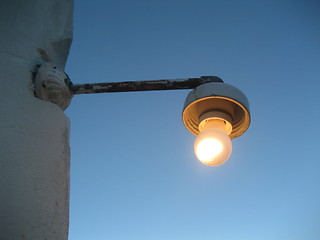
(53, 84)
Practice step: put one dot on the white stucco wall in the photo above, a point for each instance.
(34, 134)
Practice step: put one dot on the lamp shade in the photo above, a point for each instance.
(221, 97)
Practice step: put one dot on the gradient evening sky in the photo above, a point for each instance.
(133, 171)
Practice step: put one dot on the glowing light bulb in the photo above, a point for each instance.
(213, 145)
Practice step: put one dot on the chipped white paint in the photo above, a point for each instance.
(34, 134)
(51, 84)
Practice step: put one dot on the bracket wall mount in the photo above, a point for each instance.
(53, 84)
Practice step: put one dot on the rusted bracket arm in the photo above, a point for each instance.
(52, 84)
(152, 85)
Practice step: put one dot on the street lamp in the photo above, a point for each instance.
(214, 111)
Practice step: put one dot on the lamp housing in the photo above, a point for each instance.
(217, 97)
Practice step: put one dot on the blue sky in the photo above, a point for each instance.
(133, 171)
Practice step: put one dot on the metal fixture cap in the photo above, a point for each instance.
(216, 96)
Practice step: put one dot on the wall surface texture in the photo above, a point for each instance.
(34, 134)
